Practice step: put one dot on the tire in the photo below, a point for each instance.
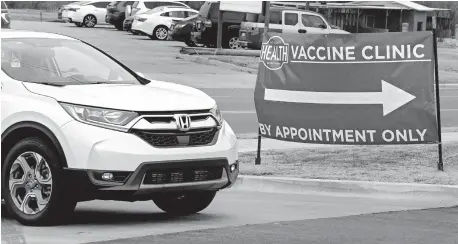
(90, 20)
(79, 24)
(56, 201)
(186, 203)
(231, 42)
(160, 33)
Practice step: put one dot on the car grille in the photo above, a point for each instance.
(182, 175)
(173, 139)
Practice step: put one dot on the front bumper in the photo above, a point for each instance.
(87, 186)
(92, 151)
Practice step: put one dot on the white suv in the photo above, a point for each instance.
(88, 14)
(156, 23)
(78, 125)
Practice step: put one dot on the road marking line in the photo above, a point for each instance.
(449, 110)
(449, 96)
(239, 112)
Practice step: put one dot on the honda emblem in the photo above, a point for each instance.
(183, 122)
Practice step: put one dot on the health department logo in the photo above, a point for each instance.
(274, 53)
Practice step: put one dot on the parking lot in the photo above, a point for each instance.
(161, 60)
(233, 91)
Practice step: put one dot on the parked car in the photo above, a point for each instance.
(283, 20)
(181, 30)
(116, 13)
(127, 24)
(140, 7)
(156, 23)
(78, 125)
(6, 20)
(206, 27)
(65, 12)
(89, 14)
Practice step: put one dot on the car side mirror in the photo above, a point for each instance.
(128, 10)
(323, 26)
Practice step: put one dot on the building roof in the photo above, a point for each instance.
(394, 5)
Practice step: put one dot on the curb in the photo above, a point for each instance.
(342, 187)
(216, 51)
(207, 60)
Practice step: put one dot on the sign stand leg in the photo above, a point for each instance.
(258, 156)
(440, 164)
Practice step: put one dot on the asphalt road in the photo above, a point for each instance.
(160, 60)
(428, 226)
(110, 220)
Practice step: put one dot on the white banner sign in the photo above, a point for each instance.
(254, 7)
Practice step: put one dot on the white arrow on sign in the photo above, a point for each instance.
(390, 97)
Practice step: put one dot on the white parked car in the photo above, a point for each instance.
(140, 7)
(156, 23)
(89, 14)
(65, 12)
(77, 125)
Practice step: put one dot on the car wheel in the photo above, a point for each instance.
(79, 24)
(90, 21)
(33, 186)
(160, 33)
(185, 203)
(233, 42)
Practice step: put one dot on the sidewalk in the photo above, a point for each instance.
(251, 145)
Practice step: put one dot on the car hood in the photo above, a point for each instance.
(155, 96)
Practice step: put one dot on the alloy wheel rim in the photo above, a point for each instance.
(90, 21)
(30, 183)
(161, 33)
(233, 43)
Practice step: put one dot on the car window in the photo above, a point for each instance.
(205, 9)
(174, 14)
(291, 19)
(312, 21)
(59, 61)
(101, 4)
(4, 5)
(189, 14)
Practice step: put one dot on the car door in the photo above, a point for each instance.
(290, 22)
(100, 10)
(314, 24)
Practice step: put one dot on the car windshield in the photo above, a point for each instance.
(60, 62)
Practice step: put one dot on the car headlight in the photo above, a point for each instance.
(217, 114)
(106, 118)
